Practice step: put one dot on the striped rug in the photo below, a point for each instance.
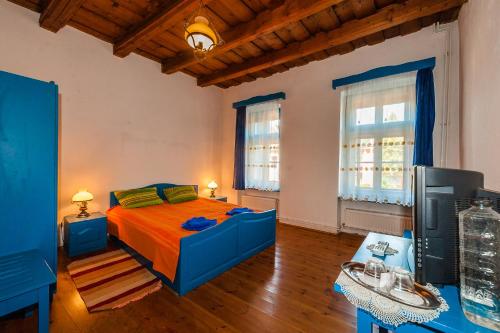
(111, 280)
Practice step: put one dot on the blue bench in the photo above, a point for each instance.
(24, 280)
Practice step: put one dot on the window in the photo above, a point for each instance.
(262, 146)
(377, 133)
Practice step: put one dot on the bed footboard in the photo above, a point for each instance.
(207, 254)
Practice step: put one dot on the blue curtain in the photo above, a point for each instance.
(425, 115)
(239, 149)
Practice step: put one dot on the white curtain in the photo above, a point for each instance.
(263, 146)
(377, 138)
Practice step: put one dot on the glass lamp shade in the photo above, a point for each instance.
(82, 196)
(200, 36)
(212, 185)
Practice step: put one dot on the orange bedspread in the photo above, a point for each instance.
(155, 231)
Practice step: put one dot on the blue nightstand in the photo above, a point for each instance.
(85, 235)
(218, 198)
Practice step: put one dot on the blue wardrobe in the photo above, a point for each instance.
(28, 166)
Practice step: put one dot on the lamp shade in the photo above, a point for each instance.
(200, 36)
(82, 196)
(212, 185)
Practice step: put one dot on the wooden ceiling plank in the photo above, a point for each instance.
(171, 13)
(255, 5)
(327, 20)
(239, 9)
(312, 23)
(363, 8)
(383, 3)
(385, 18)
(265, 22)
(224, 13)
(273, 41)
(58, 13)
(344, 11)
(34, 6)
(298, 31)
(96, 25)
(233, 57)
(115, 12)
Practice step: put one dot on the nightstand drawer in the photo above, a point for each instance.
(85, 232)
(75, 249)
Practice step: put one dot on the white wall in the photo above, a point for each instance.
(123, 123)
(480, 88)
(310, 123)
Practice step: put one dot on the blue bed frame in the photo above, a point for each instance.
(209, 253)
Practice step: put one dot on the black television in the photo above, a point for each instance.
(439, 195)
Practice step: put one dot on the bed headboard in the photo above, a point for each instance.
(159, 189)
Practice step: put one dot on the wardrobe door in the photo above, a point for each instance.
(28, 166)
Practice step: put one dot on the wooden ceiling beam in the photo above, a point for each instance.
(163, 19)
(265, 22)
(385, 18)
(58, 13)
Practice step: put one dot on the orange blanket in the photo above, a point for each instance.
(155, 231)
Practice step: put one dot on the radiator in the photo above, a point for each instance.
(259, 203)
(386, 223)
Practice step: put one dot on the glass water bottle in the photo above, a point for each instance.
(479, 264)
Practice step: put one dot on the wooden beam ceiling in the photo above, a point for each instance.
(385, 18)
(58, 13)
(265, 22)
(161, 20)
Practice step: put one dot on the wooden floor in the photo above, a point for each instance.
(286, 288)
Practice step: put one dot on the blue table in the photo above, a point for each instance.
(452, 321)
(24, 280)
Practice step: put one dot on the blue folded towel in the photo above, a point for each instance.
(239, 210)
(198, 224)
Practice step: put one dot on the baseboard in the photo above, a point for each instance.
(310, 225)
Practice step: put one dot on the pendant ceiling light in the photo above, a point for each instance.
(200, 33)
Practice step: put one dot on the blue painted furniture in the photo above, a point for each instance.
(85, 235)
(25, 278)
(210, 252)
(452, 321)
(218, 198)
(28, 166)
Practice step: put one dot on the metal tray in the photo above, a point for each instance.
(423, 298)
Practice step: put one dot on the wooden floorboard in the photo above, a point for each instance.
(286, 288)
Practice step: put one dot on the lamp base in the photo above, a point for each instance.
(83, 210)
(83, 214)
(212, 193)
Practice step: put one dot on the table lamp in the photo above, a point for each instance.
(81, 198)
(212, 186)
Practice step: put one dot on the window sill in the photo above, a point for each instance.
(374, 203)
(260, 193)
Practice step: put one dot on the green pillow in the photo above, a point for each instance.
(139, 197)
(180, 194)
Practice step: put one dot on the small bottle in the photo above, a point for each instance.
(479, 264)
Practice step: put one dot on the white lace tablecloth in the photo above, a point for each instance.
(385, 309)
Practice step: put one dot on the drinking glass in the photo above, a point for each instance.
(374, 268)
(403, 280)
(404, 287)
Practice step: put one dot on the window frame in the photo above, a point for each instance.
(367, 131)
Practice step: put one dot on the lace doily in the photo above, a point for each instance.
(385, 309)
